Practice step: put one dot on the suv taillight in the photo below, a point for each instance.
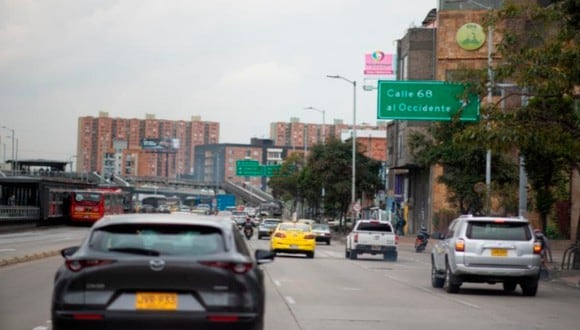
(460, 245)
(78, 265)
(537, 247)
(356, 238)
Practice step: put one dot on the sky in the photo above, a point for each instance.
(242, 63)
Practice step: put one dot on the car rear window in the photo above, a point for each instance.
(296, 227)
(509, 231)
(158, 240)
(375, 226)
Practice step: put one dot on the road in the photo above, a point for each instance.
(330, 292)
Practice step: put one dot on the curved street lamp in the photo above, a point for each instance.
(353, 82)
(323, 121)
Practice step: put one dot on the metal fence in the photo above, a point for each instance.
(19, 213)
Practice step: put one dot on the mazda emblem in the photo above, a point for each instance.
(156, 264)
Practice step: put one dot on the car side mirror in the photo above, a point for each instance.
(264, 256)
(69, 251)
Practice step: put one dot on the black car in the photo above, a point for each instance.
(160, 271)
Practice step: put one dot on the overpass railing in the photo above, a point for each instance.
(19, 213)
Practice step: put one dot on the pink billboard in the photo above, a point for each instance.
(379, 64)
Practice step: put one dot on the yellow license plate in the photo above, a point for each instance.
(156, 301)
(498, 252)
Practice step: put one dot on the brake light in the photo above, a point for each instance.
(499, 221)
(280, 235)
(78, 265)
(356, 238)
(309, 236)
(396, 239)
(537, 247)
(223, 318)
(88, 317)
(236, 267)
(460, 245)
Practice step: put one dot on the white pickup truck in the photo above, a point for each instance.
(372, 237)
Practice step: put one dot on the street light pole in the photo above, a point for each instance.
(13, 159)
(323, 121)
(353, 186)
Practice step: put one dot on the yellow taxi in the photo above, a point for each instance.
(293, 237)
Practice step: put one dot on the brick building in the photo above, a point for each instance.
(116, 146)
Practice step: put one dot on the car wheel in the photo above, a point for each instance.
(509, 286)
(353, 255)
(437, 280)
(328, 242)
(310, 255)
(449, 284)
(346, 253)
(529, 287)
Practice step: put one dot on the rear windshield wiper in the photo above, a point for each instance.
(146, 252)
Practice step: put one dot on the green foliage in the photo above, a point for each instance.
(328, 166)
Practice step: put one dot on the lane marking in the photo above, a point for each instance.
(277, 283)
(290, 300)
(351, 289)
(7, 250)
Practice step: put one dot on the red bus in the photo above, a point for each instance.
(90, 205)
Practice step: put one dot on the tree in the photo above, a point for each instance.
(540, 52)
(463, 165)
(328, 167)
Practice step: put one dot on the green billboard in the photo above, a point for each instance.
(425, 100)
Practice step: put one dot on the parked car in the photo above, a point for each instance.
(487, 250)
(267, 226)
(165, 270)
(322, 232)
(293, 237)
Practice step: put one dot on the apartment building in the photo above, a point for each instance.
(141, 147)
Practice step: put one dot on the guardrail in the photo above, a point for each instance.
(19, 213)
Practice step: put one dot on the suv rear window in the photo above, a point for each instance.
(508, 231)
(158, 240)
(375, 226)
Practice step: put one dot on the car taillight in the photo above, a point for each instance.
(309, 236)
(396, 239)
(223, 318)
(236, 267)
(280, 235)
(88, 317)
(356, 238)
(460, 245)
(78, 265)
(537, 247)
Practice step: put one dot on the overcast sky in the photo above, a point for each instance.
(243, 63)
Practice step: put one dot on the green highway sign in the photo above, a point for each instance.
(270, 170)
(248, 167)
(425, 100)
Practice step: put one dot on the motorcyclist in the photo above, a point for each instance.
(423, 234)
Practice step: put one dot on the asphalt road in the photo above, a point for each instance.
(329, 291)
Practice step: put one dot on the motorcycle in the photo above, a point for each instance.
(421, 243)
(248, 231)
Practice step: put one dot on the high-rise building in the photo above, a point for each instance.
(141, 147)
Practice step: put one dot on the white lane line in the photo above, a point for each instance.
(290, 300)
(40, 328)
(463, 302)
(351, 289)
(277, 283)
(7, 250)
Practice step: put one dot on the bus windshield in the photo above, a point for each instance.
(87, 197)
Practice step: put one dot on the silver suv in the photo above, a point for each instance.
(487, 250)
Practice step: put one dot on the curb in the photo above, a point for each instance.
(28, 257)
